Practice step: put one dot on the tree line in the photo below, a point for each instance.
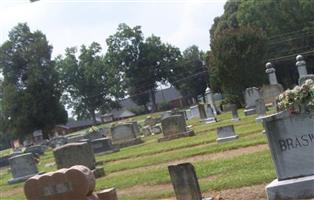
(35, 87)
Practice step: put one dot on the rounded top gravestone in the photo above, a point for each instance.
(173, 125)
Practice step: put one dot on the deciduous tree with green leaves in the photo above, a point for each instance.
(90, 83)
(31, 92)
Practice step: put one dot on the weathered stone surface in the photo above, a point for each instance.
(136, 129)
(226, 133)
(234, 112)
(57, 141)
(202, 112)
(184, 182)
(77, 182)
(291, 141)
(123, 135)
(296, 188)
(174, 127)
(195, 112)
(22, 167)
(36, 150)
(250, 97)
(165, 114)
(108, 194)
(260, 107)
(210, 116)
(74, 154)
(270, 92)
(103, 145)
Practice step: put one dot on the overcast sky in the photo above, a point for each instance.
(69, 23)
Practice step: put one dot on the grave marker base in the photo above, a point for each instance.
(126, 143)
(297, 188)
(225, 139)
(176, 136)
(248, 112)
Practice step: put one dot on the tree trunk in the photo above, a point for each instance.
(154, 106)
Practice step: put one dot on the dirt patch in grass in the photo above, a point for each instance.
(11, 191)
(212, 156)
(256, 192)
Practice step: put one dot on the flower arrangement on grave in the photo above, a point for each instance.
(93, 129)
(298, 99)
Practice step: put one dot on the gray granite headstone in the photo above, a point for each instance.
(74, 154)
(75, 138)
(260, 107)
(251, 95)
(57, 141)
(184, 182)
(122, 132)
(195, 112)
(136, 129)
(291, 142)
(202, 111)
(270, 92)
(188, 114)
(174, 127)
(103, 145)
(22, 167)
(36, 150)
(210, 116)
(226, 133)
(234, 112)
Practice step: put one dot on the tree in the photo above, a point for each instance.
(238, 61)
(190, 75)
(288, 25)
(143, 63)
(89, 81)
(31, 92)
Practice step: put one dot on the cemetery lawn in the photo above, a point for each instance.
(140, 172)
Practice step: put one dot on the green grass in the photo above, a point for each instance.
(152, 158)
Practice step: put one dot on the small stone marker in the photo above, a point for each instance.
(22, 166)
(184, 182)
(75, 154)
(108, 194)
(291, 142)
(174, 127)
(234, 112)
(226, 133)
(210, 116)
(103, 145)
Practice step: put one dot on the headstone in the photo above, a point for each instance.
(147, 130)
(301, 65)
(77, 182)
(74, 154)
(93, 135)
(234, 112)
(270, 92)
(226, 133)
(156, 129)
(165, 114)
(36, 150)
(4, 160)
(210, 117)
(195, 112)
(184, 182)
(57, 141)
(260, 107)
(271, 71)
(250, 97)
(188, 114)
(174, 127)
(210, 100)
(123, 135)
(202, 112)
(291, 142)
(75, 138)
(108, 194)
(22, 167)
(103, 145)
(38, 137)
(136, 129)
